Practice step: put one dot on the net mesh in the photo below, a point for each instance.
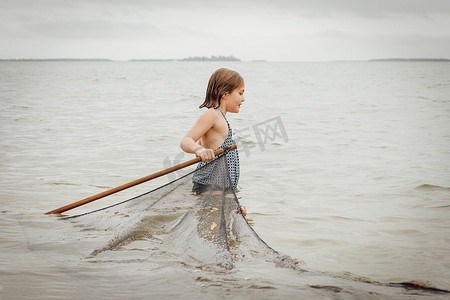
(200, 227)
(207, 225)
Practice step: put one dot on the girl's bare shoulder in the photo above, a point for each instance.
(209, 116)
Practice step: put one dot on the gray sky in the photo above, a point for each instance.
(281, 30)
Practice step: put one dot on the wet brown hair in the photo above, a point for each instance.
(222, 81)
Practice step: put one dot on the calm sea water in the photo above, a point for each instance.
(345, 165)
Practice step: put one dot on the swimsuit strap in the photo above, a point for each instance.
(216, 107)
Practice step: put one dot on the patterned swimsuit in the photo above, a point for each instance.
(208, 176)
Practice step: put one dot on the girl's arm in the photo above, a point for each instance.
(201, 127)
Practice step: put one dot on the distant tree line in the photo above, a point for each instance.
(212, 58)
(413, 59)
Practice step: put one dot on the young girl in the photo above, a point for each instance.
(225, 93)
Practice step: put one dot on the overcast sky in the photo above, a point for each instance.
(281, 30)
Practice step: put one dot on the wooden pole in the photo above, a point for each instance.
(133, 183)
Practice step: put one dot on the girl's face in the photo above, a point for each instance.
(235, 99)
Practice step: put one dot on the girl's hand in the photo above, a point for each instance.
(205, 154)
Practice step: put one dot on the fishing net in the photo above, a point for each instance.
(203, 226)
(184, 220)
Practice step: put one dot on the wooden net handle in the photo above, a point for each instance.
(135, 182)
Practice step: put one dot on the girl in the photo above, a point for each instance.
(225, 93)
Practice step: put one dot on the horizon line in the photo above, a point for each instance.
(221, 59)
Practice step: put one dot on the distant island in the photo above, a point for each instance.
(413, 59)
(190, 58)
(212, 58)
(196, 58)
